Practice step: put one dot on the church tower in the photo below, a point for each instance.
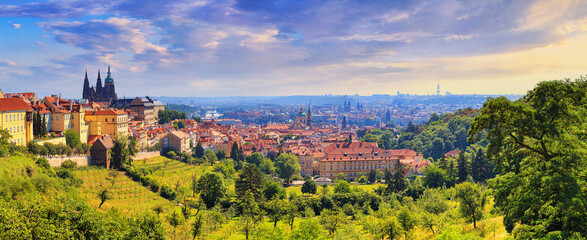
(309, 117)
(109, 90)
(99, 89)
(86, 91)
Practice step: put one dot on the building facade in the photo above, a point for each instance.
(16, 118)
(358, 158)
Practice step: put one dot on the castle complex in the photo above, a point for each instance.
(100, 93)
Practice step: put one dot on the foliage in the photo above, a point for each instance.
(211, 188)
(104, 195)
(538, 148)
(267, 166)
(255, 158)
(342, 187)
(273, 190)
(309, 186)
(331, 220)
(72, 138)
(287, 165)
(471, 201)
(434, 176)
(199, 151)
(167, 115)
(250, 180)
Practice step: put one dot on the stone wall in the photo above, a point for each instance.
(86, 160)
(145, 155)
(83, 160)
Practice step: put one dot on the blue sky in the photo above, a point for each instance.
(251, 48)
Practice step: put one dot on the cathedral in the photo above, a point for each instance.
(100, 93)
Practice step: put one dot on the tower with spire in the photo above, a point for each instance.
(109, 92)
(309, 116)
(99, 93)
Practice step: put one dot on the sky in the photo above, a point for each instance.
(211, 48)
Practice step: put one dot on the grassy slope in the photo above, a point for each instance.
(128, 195)
(131, 196)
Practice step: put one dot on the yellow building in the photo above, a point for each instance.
(16, 118)
(66, 115)
(107, 121)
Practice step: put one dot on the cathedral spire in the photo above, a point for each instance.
(86, 91)
(109, 78)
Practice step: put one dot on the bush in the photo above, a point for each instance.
(362, 180)
(68, 164)
(167, 192)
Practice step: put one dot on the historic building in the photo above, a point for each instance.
(100, 93)
(358, 158)
(16, 118)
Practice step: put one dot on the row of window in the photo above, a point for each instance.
(360, 167)
(14, 117)
(17, 141)
(17, 129)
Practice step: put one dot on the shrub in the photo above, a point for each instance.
(362, 180)
(68, 164)
(167, 192)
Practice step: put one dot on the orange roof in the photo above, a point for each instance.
(105, 112)
(13, 104)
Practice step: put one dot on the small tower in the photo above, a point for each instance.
(438, 88)
(99, 89)
(86, 90)
(343, 122)
(109, 93)
(309, 117)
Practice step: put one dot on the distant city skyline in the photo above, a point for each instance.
(284, 48)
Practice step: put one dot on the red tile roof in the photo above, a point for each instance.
(13, 104)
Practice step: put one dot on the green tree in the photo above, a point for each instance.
(537, 146)
(120, 153)
(72, 138)
(267, 166)
(480, 167)
(309, 186)
(199, 151)
(210, 156)
(175, 219)
(362, 180)
(287, 165)
(332, 219)
(390, 228)
(255, 158)
(221, 154)
(471, 201)
(434, 176)
(197, 227)
(146, 226)
(211, 188)
(463, 167)
(372, 177)
(251, 213)
(308, 229)
(104, 195)
(342, 187)
(407, 220)
(250, 179)
(398, 181)
(236, 153)
(273, 190)
(276, 209)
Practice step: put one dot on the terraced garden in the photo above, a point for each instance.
(127, 195)
(170, 172)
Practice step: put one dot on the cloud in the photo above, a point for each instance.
(7, 63)
(16, 26)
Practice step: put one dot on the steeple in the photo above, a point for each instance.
(86, 91)
(109, 78)
(98, 88)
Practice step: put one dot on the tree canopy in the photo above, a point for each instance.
(537, 144)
